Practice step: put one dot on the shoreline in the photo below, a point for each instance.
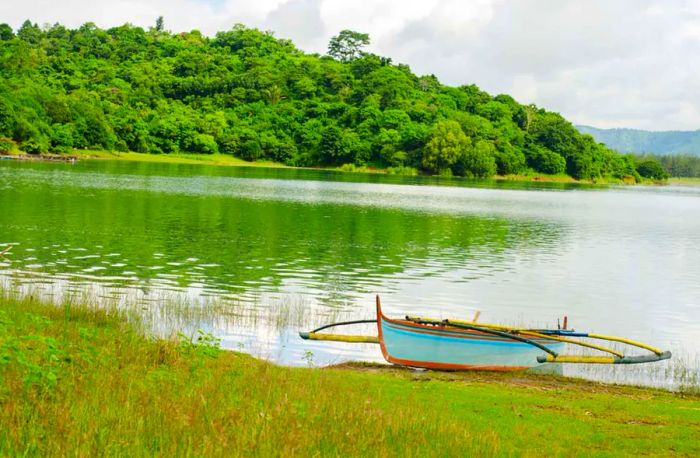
(80, 380)
(224, 160)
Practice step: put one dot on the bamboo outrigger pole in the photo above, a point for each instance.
(562, 335)
(314, 335)
(524, 335)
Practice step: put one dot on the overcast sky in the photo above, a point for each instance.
(606, 63)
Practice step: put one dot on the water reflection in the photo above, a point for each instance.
(233, 235)
(232, 243)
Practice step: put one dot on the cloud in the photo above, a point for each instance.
(300, 20)
(627, 63)
(610, 64)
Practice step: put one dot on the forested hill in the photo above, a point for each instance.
(645, 141)
(246, 93)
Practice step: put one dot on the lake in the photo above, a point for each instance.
(255, 255)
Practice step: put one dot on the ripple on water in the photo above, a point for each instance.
(620, 261)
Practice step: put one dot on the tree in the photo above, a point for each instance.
(544, 160)
(248, 93)
(446, 145)
(159, 24)
(6, 32)
(650, 168)
(347, 45)
(273, 94)
(31, 33)
(61, 138)
(7, 119)
(509, 160)
(477, 162)
(339, 146)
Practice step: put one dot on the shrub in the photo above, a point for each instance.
(250, 150)
(205, 144)
(35, 145)
(402, 170)
(62, 138)
(446, 146)
(509, 161)
(7, 145)
(544, 160)
(650, 168)
(477, 162)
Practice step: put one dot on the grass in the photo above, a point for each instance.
(76, 380)
(228, 160)
(183, 158)
(560, 178)
(684, 181)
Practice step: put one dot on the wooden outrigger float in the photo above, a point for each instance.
(463, 345)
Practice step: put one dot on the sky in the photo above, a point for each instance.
(605, 63)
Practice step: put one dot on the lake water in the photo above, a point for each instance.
(255, 255)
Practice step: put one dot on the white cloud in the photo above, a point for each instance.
(625, 63)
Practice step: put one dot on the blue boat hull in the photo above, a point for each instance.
(445, 347)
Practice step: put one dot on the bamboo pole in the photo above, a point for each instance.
(658, 351)
(575, 342)
(339, 337)
(499, 327)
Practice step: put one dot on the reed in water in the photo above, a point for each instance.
(78, 379)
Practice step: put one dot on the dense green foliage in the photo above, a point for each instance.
(645, 141)
(248, 94)
(650, 168)
(680, 165)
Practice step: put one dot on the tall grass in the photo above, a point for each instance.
(80, 380)
(164, 313)
(681, 373)
(76, 380)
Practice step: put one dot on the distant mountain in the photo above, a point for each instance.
(645, 141)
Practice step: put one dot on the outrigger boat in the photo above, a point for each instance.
(462, 345)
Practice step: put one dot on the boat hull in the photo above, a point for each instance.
(444, 347)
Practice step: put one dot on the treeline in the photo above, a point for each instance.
(679, 165)
(246, 93)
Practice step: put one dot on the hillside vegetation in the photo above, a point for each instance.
(251, 95)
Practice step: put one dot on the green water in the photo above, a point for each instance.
(618, 260)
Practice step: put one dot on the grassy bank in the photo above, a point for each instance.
(684, 181)
(184, 158)
(228, 160)
(75, 381)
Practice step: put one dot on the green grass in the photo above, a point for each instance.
(228, 160)
(183, 158)
(80, 381)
